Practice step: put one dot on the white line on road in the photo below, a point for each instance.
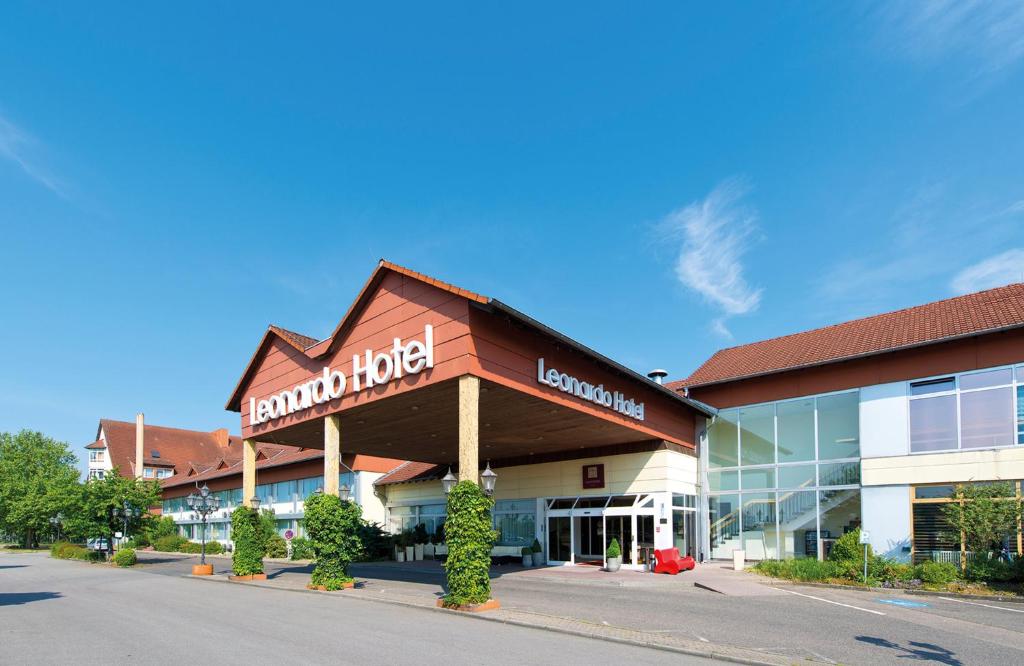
(829, 601)
(973, 603)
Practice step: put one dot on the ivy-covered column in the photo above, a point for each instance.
(470, 537)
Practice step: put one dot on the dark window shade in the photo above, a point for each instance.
(931, 532)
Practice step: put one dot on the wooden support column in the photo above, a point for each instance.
(469, 428)
(332, 453)
(248, 471)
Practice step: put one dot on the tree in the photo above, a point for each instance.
(95, 517)
(982, 514)
(38, 482)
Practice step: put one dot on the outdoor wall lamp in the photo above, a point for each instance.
(449, 481)
(254, 502)
(487, 479)
(344, 492)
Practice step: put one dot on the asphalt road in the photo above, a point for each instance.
(58, 612)
(829, 625)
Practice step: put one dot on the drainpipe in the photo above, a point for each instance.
(139, 442)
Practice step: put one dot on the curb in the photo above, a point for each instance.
(708, 654)
(783, 582)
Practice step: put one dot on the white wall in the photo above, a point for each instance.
(885, 513)
(884, 426)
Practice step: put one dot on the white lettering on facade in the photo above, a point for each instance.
(368, 370)
(587, 391)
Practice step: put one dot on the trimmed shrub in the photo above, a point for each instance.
(470, 538)
(889, 571)
(302, 548)
(276, 546)
(614, 550)
(537, 549)
(191, 547)
(246, 532)
(848, 547)
(936, 573)
(171, 543)
(214, 548)
(57, 548)
(333, 528)
(125, 557)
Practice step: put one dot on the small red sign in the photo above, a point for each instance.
(593, 476)
(289, 535)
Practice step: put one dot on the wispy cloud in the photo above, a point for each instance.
(987, 35)
(716, 232)
(20, 148)
(992, 272)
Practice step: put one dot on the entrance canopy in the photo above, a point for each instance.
(423, 370)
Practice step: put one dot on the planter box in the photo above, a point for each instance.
(490, 604)
(527, 560)
(248, 577)
(410, 553)
(428, 550)
(202, 569)
(418, 551)
(399, 556)
(344, 586)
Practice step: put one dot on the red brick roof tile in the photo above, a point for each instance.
(411, 471)
(972, 314)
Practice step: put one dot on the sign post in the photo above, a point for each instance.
(865, 538)
(288, 536)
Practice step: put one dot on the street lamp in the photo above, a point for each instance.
(449, 481)
(126, 512)
(254, 502)
(487, 479)
(344, 492)
(203, 503)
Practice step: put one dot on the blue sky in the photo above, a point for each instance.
(656, 182)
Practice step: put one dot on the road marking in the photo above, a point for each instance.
(829, 601)
(903, 602)
(974, 603)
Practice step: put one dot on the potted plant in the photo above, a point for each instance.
(537, 550)
(613, 556)
(419, 537)
(440, 547)
(407, 543)
(527, 554)
(396, 543)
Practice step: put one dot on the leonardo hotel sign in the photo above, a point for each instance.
(368, 370)
(595, 394)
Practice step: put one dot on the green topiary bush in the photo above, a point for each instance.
(125, 557)
(302, 548)
(614, 549)
(333, 528)
(276, 546)
(247, 534)
(470, 538)
(536, 546)
(936, 573)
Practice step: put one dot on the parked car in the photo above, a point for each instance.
(97, 544)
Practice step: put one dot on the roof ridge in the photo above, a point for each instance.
(306, 341)
(163, 427)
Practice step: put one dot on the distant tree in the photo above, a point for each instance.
(38, 482)
(96, 518)
(982, 514)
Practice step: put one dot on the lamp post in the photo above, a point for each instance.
(126, 512)
(203, 503)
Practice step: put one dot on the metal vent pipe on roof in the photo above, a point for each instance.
(658, 375)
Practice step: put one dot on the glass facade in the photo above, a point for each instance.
(976, 410)
(784, 477)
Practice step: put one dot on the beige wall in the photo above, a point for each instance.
(373, 507)
(984, 465)
(656, 471)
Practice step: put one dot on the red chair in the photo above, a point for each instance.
(668, 560)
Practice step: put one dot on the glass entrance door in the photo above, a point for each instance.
(621, 528)
(559, 538)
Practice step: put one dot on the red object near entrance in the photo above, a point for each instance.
(668, 560)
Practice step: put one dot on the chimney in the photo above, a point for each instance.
(658, 375)
(139, 443)
(221, 437)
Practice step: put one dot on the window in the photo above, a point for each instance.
(163, 473)
(757, 435)
(722, 439)
(96, 473)
(758, 478)
(148, 472)
(515, 521)
(970, 411)
(932, 537)
(283, 491)
(97, 456)
(309, 485)
(796, 430)
(838, 426)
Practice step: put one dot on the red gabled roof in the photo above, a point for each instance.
(174, 446)
(411, 471)
(982, 312)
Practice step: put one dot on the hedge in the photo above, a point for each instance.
(125, 558)
(333, 528)
(69, 551)
(247, 534)
(470, 537)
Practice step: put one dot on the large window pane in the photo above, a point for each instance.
(723, 481)
(1020, 414)
(839, 474)
(759, 531)
(798, 523)
(986, 418)
(756, 479)
(933, 538)
(757, 435)
(839, 426)
(840, 513)
(722, 440)
(796, 476)
(985, 379)
(933, 386)
(724, 525)
(796, 430)
(933, 423)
